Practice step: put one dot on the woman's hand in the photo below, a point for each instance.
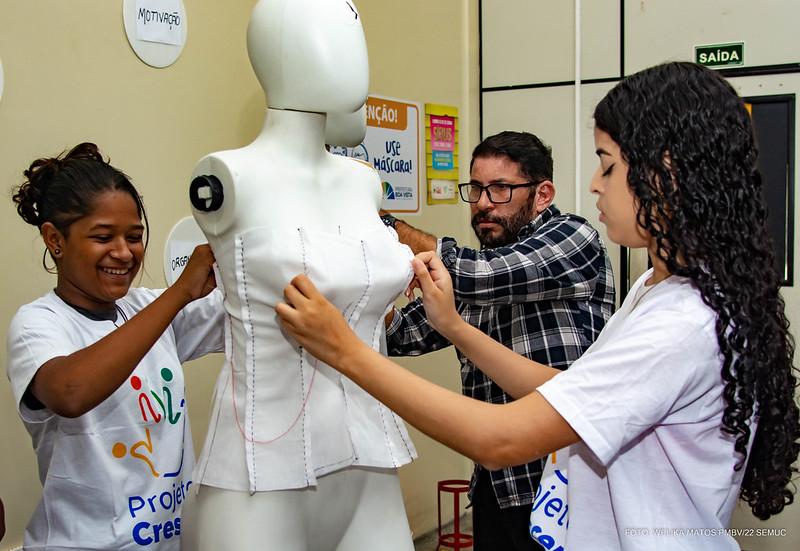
(316, 324)
(437, 293)
(197, 278)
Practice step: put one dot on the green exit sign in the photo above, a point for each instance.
(720, 55)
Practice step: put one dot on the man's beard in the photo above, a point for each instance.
(510, 226)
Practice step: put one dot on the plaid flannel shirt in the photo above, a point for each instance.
(546, 296)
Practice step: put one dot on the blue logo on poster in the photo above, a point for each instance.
(388, 191)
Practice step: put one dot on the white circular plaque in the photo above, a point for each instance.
(182, 240)
(156, 29)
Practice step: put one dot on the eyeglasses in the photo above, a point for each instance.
(497, 193)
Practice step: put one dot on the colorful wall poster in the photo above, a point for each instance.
(441, 148)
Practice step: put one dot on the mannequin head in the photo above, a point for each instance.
(346, 129)
(309, 55)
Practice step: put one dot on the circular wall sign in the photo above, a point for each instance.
(156, 29)
(182, 240)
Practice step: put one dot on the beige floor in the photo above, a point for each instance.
(428, 541)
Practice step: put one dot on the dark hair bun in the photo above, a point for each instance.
(85, 150)
(29, 195)
(41, 175)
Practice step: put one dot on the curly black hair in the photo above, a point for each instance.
(62, 189)
(688, 140)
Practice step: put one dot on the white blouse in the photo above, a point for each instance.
(281, 418)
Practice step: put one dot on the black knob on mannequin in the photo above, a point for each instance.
(205, 193)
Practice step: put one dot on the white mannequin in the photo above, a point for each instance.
(346, 129)
(298, 457)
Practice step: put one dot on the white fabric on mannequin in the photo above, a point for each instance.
(287, 433)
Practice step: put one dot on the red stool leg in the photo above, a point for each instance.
(456, 520)
(456, 540)
(439, 513)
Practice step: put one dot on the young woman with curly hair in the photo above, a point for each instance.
(686, 401)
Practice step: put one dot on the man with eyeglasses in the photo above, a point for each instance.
(541, 284)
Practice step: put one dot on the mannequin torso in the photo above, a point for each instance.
(281, 420)
(298, 457)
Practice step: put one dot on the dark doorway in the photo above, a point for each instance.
(773, 123)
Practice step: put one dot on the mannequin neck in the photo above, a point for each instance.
(299, 132)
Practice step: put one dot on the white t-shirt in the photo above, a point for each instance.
(653, 469)
(115, 477)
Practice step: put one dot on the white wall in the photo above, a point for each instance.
(530, 47)
(528, 42)
(660, 30)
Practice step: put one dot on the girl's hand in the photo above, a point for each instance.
(197, 278)
(437, 293)
(409, 292)
(316, 324)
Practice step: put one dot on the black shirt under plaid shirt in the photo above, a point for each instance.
(546, 296)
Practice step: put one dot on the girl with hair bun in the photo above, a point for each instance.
(686, 402)
(95, 365)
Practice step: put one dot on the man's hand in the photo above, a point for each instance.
(417, 240)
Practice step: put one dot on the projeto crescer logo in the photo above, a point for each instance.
(158, 410)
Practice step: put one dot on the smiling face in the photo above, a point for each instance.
(100, 254)
(615, 198)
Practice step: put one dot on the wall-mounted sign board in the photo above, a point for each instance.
(720, 55)
(156, 29)
(441, 153)
(181, 241)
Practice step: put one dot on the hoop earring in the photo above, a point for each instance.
(47, 268)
